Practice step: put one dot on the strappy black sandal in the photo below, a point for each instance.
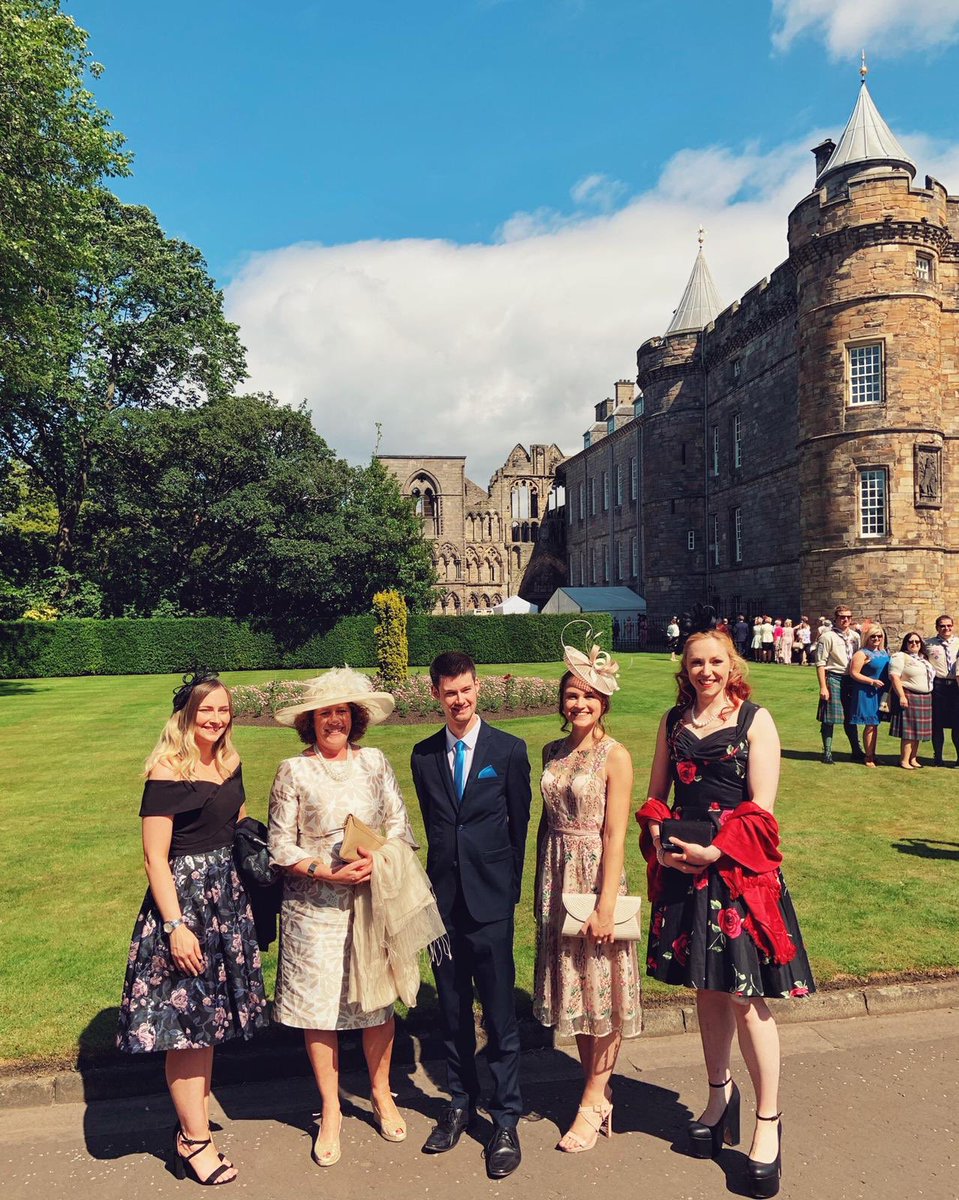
(182, 1163)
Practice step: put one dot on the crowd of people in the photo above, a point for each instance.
(862, 683)
(357, 907)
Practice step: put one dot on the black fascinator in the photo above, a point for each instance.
(181, 695)
(702, 618)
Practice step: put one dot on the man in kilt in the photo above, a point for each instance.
(834, 652)
(943, 651)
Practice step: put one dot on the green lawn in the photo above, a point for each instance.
(872, 857)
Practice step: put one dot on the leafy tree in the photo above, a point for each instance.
(239, 508)
(55, 147)
(142, 326)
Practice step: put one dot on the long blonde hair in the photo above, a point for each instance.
(177, 748)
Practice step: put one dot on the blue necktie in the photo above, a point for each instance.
(459, 769)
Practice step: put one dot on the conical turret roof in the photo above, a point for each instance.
(700, 303)
(867, 139)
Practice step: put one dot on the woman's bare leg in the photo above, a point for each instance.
(188, 1074)
(759, 1043)
(323, 1051)
(717, 1024)
(378, 1049)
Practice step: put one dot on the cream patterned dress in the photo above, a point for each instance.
(579, 987)
(309, 803)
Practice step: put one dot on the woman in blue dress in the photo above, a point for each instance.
(869, 671)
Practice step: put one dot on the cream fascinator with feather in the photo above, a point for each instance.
(595, 668)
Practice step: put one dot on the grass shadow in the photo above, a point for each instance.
(927, 848)
(19, 687)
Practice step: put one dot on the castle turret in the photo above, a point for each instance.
(866, 246)
(670, 374)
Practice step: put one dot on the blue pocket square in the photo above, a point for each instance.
(487, 773)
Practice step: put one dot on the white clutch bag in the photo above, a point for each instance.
(577, 908)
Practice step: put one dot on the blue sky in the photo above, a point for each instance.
(480, 208)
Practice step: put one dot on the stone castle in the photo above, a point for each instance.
(492, 543)
(791, 450)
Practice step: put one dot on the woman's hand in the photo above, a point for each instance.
(689, 859)
(354, 872)
(599, 928)
(185, 951)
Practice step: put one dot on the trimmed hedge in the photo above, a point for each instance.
(161, 645)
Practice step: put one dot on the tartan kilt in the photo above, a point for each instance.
(945, 704)
(912, 724)
(835, 710)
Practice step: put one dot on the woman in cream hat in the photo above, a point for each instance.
(313, 794)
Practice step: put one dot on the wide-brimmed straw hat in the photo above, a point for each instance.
(339, 686)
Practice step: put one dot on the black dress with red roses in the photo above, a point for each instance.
(697, 937)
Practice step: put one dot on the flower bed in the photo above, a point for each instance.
(497, 694)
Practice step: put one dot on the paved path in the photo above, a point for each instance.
(870, 1113)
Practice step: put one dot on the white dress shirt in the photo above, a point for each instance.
(469, 737)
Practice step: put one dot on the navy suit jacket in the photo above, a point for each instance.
(477, 845)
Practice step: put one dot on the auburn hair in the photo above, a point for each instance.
(736, 686)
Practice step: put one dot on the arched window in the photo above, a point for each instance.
(520, 500)
(422, 489)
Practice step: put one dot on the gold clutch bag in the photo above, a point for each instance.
(355, 834)
(577, 909)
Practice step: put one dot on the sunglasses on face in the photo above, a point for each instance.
(913, 642)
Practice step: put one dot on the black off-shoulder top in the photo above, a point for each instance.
(204, 814)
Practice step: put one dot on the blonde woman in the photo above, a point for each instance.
(193, 976)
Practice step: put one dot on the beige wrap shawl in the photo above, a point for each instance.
(394, 918)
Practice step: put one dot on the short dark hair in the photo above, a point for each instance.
(359, 722)
(449, 665)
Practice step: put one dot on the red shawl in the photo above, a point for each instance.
(749, 841)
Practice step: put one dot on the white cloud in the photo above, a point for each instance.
(890, 26)
(468, 349)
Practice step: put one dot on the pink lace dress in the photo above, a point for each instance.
(579, 987)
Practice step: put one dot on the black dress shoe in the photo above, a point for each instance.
(502, 1152)
(447, 1131)
(763, 1179)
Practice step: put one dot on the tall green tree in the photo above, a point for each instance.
(141, 326)
(56, 145)
(238, 507)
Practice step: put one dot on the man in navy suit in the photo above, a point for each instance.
(472, 782)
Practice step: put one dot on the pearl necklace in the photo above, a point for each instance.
(338, 770)
(702, 722)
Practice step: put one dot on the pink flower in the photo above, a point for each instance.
(146, 1036)
(799, 990)
(178, 998)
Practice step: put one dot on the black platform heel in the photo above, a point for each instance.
(763, 1179)
(181, 1162)
(706, 1141)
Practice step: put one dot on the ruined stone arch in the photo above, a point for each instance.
(473, 565)
(474, 601)
(494, 567)
(484, 602)
(497, 599)
(425, 494)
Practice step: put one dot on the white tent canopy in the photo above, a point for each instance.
(513, 605)
(619, 602)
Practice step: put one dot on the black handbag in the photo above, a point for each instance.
(252, 855)
(262, 879)
(700, 833)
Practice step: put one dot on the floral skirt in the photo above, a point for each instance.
(163, 1009)
(697, 939)
(579, 987)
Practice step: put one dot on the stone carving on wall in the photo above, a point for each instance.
(928, 476)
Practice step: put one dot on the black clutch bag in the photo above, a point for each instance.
(700, 833)
(252, 856)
